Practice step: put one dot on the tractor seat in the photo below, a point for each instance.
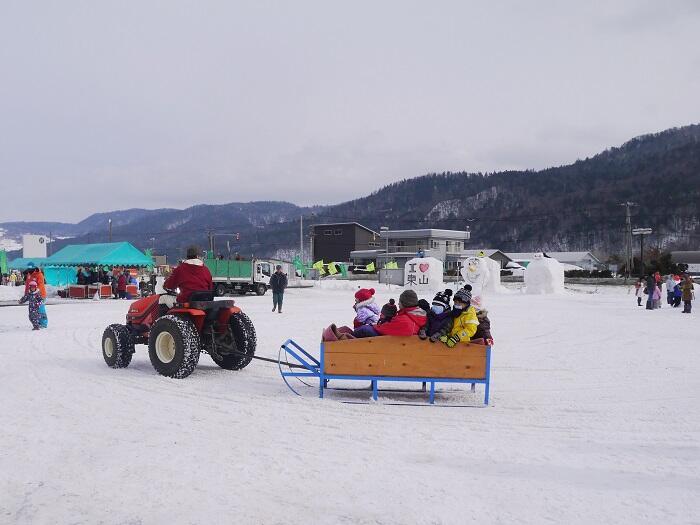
(211, 305)
(201, 295)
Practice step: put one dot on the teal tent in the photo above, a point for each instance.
(103, 254)
(60, 275)
(22, 263)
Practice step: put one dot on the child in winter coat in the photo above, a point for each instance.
(388, 312)
(483, 330)
(677, 294)
(439, 316)
(656, 297)
(34, 299)
(464, 320)
(367, 311)
(408, 321)
(639, 291)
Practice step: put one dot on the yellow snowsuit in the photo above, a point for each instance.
(463, 328)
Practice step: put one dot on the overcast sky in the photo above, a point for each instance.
(112, 105)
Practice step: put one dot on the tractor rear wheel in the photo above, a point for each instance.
(174, 346)
(244, 335)
(117, 346)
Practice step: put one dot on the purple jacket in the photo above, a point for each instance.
(439, 323)
(367, 313)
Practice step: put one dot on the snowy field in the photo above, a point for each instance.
(595, 418)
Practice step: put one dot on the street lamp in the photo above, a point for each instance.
(110, 230)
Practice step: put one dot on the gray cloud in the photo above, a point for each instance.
(150, 104)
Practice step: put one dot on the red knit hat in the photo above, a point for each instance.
(364, 294)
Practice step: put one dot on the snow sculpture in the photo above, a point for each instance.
(484, 276)
(544, 275)
(423, 273)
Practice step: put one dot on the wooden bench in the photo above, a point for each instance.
(396, 359)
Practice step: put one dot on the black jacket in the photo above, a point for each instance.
(278, 282)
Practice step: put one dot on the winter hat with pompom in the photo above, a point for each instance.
(442, 299)
(364, 294)
(464, 295)
(389, 310)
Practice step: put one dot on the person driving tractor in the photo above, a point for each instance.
(189, 276)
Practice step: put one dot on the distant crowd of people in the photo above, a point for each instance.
(13, 278)
(679, 288)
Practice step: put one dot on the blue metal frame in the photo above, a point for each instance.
(315, 369)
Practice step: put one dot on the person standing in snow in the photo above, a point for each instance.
(670, 284)
(639, 290)
(278, 283)
(34, 300)
(688, 294)
(121, 285)
(35, 274)
(649, 290)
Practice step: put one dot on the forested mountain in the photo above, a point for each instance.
(572, 207)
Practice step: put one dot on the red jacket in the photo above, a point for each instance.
(190, 276)
(407, 322)
(37, 276)
(121, 283)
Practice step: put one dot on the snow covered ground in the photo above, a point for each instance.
(595, 418)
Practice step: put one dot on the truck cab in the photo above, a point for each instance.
(263, 271)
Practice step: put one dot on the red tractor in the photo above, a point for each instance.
(176, 336)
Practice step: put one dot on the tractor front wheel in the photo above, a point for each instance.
(117, 346)
(174, 346)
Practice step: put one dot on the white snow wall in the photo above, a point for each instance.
(544, 276)
(424, 273)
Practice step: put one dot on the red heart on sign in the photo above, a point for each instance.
(423, 267)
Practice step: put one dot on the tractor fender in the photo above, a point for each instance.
(226, 313)
(196, 315)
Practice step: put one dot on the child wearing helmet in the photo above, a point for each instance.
(34, 300)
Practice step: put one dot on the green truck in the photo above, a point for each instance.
(233, 276)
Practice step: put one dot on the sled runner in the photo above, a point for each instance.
(400, 359)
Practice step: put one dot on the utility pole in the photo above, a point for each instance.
(641, 232)
(210, 234)
(311, 234)
(628, 237)
(301, 239)
(110, 230)
(384, 230)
